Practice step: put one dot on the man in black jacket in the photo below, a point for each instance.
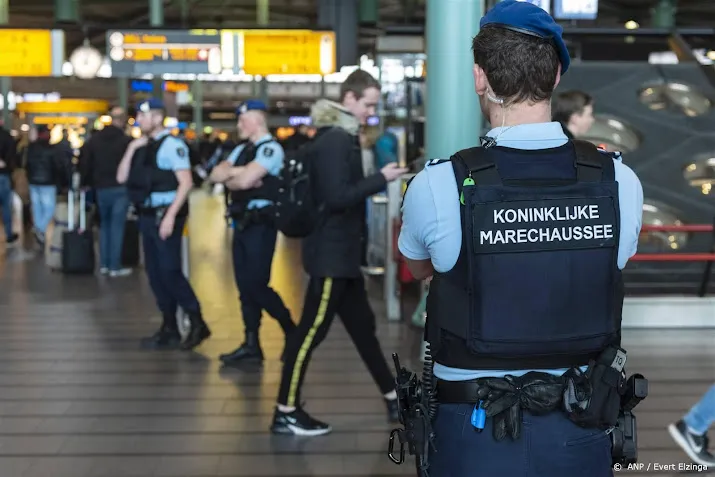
(100, 160)
(43, 167)
(7, 162)
(574, 110)
(332, 254)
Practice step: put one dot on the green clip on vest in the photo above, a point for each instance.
(468, 182)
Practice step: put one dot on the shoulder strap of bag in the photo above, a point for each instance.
(593, 165)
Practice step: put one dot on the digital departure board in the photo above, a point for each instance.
(31, 52)
(139, 52)
(575, 9)
(272, 52)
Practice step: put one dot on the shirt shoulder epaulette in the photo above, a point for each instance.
(436, 162)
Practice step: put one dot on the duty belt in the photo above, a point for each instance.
(505, 398)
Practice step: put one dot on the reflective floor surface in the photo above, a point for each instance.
(79, 399)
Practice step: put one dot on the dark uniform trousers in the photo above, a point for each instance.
(162, 260)
(253, 249)
(549, 446)
(324, 298)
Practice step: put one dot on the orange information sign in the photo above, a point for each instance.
(288, 52)
(25, 52)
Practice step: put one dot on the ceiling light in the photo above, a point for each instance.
(632, 25)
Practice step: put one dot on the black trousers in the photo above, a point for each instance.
(253, 249)
(162, 261)
(324, 298)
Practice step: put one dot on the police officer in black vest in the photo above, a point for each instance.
(524, 238)
(157, 173)
(244, 172)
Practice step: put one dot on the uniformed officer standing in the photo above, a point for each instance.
(157, 172)
(525, 238)
(254, 237)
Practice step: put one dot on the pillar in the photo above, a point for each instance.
(197, 94)
(369, 12)
(156, 20)
(184, 13)
(663, 14)
(156, 13)
(342, 17)
(263, 12)
(123, 93)
(5, 82)
(263, 20)
(67, 11)
(453, 117)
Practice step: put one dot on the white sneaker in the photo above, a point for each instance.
(122, 272)
(104, 271)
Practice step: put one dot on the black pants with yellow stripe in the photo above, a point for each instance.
(324, 298)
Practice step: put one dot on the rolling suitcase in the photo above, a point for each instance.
(131, 255)
(77, 242)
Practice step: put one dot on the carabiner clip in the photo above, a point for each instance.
(391, 447)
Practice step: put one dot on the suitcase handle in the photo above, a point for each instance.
(82, 210)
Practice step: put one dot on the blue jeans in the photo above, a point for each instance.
(162, 261)
(6, 204)
(702, 415)
(113, 204)
(43, 200)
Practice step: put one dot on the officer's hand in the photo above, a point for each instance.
(2, 163)
(392, 171)
(166, 228)
(139, 142)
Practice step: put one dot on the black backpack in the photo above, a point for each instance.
(294, 211)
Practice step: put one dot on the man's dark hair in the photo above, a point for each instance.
(519, 67)
(568, 103)
(357, 82)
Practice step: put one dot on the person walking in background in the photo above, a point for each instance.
(7, 162)
(691, 432)
(574, 110)
(43, 166)
(99, 162)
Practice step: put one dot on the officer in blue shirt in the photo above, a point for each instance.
(244, 172)
(157, 173)
(524, 238)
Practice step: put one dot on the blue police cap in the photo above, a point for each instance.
(149, 104)
(251, 105)
(529, 19)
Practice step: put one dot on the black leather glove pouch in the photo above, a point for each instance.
(504, 399)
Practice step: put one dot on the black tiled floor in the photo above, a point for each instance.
(79, 399)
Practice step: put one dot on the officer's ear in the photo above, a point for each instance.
(558, 77)
(480, 80)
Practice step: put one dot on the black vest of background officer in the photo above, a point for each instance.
(145, 176)
(240, 198)
(536, 284)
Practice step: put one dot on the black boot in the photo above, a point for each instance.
(249, 352)
(167, 337)
(199, 332)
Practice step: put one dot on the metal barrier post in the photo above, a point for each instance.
(705, 281)
(392, 299)
(182, 318)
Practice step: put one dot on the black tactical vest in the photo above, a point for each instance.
(239, 199)
(536, 284)
(145, 176)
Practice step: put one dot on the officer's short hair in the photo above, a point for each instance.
(356, 83)
(520, 67)
(566, 104)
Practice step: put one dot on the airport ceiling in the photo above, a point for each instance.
(99, 15)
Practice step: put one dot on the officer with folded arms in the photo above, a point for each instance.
(157, 173)
(525, 238)
(244, 172)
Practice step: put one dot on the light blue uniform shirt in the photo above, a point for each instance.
(431, 227)
(270, 155)
(173, 155)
